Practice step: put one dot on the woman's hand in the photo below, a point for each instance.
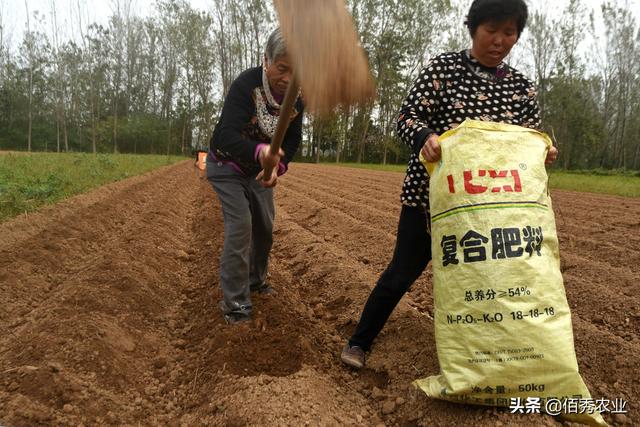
(270, 161)
(431, 149)
(552, 155)
(271, 182)
(267, 159)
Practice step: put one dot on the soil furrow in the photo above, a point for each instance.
(110, 309)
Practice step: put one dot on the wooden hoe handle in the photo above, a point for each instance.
(283, 122)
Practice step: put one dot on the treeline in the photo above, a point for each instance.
(138, 85)
(155, 84)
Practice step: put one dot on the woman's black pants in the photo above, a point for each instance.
(410, 257)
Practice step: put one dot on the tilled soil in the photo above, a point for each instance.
(109, 309)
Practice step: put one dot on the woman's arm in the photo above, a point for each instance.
(530, 114)
(419, 107)
(237, 111)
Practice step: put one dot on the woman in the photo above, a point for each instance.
(472, 84)
(238, 154)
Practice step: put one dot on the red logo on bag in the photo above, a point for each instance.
(515, 185)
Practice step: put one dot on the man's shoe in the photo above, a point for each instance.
(352, 356)
(233, 318)
(234, 315)
(263, 289)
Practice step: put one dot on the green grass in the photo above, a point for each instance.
(29, 181)
(616, 183)
(371, 166)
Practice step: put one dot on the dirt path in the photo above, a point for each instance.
(109, 309)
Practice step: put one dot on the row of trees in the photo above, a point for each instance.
(143, 85)
(590, 101)
(156, 83)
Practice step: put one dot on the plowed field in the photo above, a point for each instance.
(108, 309)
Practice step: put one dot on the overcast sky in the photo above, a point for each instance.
(13, 12)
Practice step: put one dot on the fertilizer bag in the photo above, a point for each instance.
(502, 322)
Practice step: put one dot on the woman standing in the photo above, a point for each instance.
(471, 84)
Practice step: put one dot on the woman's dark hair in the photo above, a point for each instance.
(482, 11)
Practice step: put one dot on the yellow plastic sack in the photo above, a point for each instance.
(502, 322)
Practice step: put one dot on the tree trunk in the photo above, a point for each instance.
(169, 139)
(384, 152)
(64, 133)
(184, 135)
(115, 126)
(58, 131)
(363, 136)
(636, 157)
(30, 107)
(30, 113)
(94, 131)
(319, 136)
